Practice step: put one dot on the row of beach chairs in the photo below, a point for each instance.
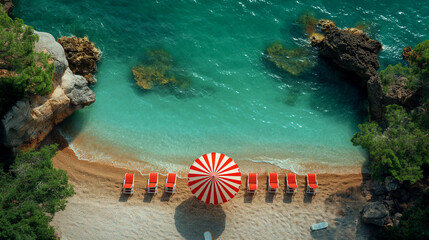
(252, 183)
(152, 183)
(291, 183)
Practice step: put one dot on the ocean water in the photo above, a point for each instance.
(236, 103)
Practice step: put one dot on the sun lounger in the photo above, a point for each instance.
(170, 183)
(128, 185)
(252, 182)
(319, 226)
(312, 184)
(291, 184)
(273, 182)
(152, 183)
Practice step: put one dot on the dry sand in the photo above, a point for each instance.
(99, 211)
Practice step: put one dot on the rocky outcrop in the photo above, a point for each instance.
(7, 6)
(375, 213)
(351, 49)
(82, 56)
(31, 119)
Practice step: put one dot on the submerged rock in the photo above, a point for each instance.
(32, 118)
(7, 6)
(295, 61)
(375, 213)
(350, 49)
(158, 71)
(82, 56)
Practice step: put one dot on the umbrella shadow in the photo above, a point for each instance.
(193, 217)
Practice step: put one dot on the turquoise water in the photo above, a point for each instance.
(237, 103)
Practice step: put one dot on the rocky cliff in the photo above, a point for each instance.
(31, 119)
(351, 49)
(82, 56)
(7, 6)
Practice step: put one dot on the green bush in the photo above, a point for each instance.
(30, 194)
(22, 71)
(392, 73)
(414, 223)
(401, 150)
(420, 59)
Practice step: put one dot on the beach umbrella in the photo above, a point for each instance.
(214, 178)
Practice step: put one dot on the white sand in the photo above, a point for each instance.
(99, 211)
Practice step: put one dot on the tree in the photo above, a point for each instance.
(30, 194)
(22, 71)
(419, 59)
(400, 151)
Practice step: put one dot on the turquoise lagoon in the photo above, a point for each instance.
(236, 103)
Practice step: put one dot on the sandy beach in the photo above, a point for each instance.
(100, 211)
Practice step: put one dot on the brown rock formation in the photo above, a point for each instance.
(406, 53)
(31, 119)
(7, 6)
(350, 49)
(82, 56)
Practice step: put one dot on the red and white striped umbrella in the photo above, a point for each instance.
(214, 178)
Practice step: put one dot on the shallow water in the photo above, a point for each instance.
(237, 103)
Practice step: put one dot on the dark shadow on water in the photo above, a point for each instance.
(124, 197)
(148, 197)
(269, 197)
(166, 197)
(193, 217)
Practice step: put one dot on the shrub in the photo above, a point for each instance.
(392, 73)
(420, 59)
(30, 191)
(401, 150)
(414, 223)
(22, 71)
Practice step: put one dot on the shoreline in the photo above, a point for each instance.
(123, 159)
(100, 211)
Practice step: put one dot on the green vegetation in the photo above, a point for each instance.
(30, 194)
(295, 61)
(22, 71)
(414, 223)
(415, 76)
(401, 150)
(419, 59)
(392, 73)
(158, 70)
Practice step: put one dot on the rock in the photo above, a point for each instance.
(396, 218)
(391, 183)
(82, 56)
(398, 93)
(7, 6)
(406, 53)
(48, 44)
(377, 188)
(375, 213)
(350, 49)
(31, 119)
(375, 98)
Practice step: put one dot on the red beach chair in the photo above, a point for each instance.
(312, 184)
(252, 182)
(273, 182)
(128, 185)
(170, 183)
(152, 183)
(291, 184)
